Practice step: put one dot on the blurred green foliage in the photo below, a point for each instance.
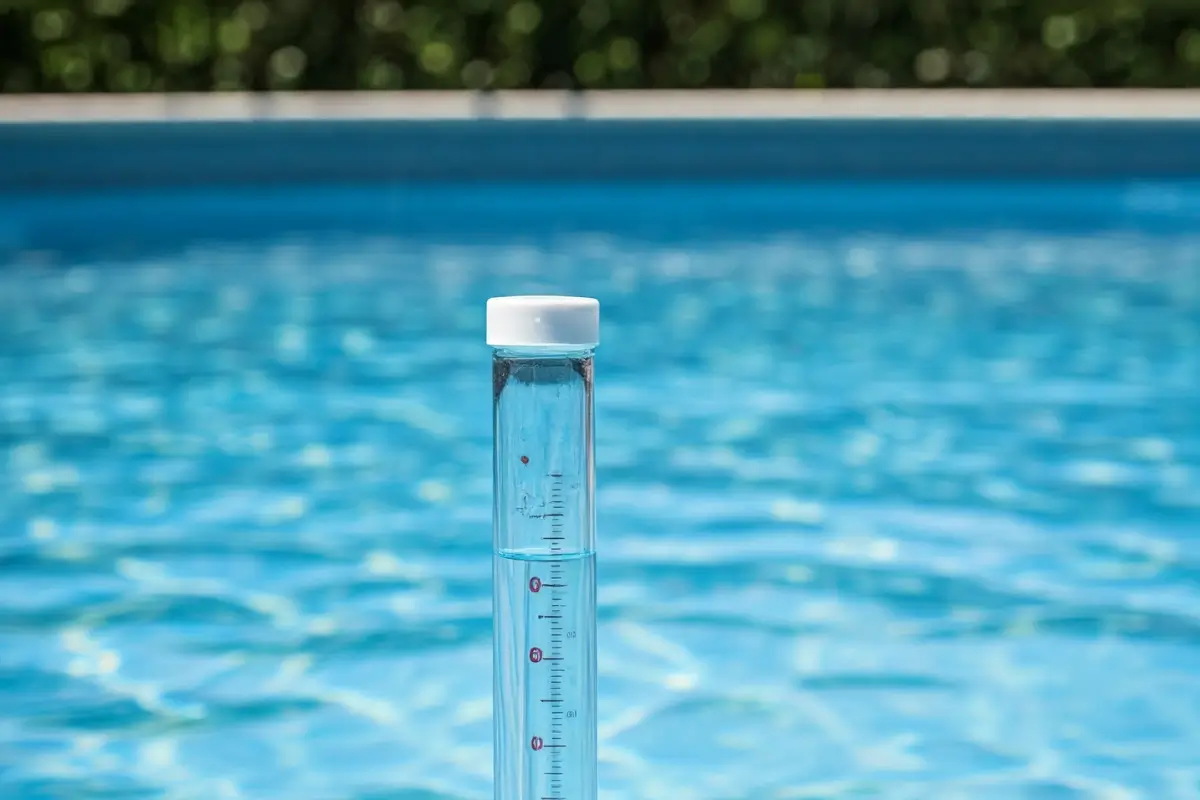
(201, 45)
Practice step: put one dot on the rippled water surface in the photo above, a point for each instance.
(883, 512)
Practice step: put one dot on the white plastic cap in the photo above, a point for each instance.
(543, 321)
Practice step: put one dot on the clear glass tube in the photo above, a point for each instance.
(544, 594)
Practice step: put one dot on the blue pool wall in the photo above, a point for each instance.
(138, 185)
(39, 157)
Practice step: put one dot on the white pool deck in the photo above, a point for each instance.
(645, 105)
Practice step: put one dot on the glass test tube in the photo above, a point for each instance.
(544, 593)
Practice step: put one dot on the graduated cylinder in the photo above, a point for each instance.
(544, 690)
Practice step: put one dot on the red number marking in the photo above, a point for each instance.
(536, 743)
(535, 654)
(535, 585)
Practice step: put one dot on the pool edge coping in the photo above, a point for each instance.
(894, 104)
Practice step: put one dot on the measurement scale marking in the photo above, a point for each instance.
(557, 607)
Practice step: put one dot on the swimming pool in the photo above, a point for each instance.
(898, 486)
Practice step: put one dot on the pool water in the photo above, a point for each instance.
(885, 510)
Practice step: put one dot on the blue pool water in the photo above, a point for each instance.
(891, 503)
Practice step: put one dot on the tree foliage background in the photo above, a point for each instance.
(202, 45)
